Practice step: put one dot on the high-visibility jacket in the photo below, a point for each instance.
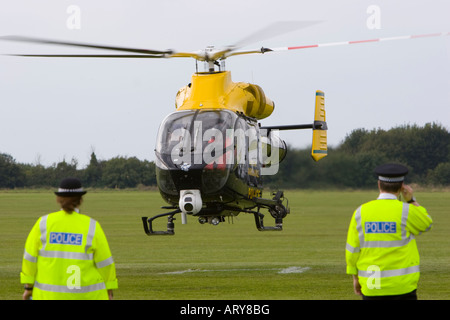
(67, 257)
(381, 247)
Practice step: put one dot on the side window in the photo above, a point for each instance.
(240, 149)
(253, 152)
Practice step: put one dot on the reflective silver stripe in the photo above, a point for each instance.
(352, 249)
(359, 226)
(90, 235)
(66, 255)
(389, 273)
(29, 257)
(43, 229)
(405, 211)
(387, 244)
(65, 289)
(105, 262)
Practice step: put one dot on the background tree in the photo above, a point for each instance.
(11, 174)
(93, 172)
(122, 172)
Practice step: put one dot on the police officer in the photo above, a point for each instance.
(66, 253)
(381, 250)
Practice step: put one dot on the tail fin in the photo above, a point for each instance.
(319, 143)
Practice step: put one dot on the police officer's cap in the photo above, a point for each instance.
(70, 187)
(391, 172)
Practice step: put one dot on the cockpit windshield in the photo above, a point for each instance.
(193, 137)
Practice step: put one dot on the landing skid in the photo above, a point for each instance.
(148, 228)
(275, 207)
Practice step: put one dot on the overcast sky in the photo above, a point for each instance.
(64, 108)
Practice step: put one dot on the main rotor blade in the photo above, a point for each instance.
(273, 30)
(87, 55)
(84, 45)
(329, 44)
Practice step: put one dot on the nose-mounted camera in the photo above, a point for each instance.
(190, 203)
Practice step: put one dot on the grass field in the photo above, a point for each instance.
(231, 261)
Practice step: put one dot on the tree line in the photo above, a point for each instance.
(424, 150)
(118, 172)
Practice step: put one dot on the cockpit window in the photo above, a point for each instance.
(184, 135)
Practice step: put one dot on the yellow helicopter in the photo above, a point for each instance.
(211, 152)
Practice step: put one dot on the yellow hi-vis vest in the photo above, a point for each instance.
(67, 257)
(381, 247)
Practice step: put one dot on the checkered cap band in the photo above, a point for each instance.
(70, 190)
(391, 179)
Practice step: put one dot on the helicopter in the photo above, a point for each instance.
(212, 152)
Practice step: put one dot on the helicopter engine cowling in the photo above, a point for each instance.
(259, 106)
(217, 91)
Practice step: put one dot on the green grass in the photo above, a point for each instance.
(231, 260)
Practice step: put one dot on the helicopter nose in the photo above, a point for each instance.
(187, 180)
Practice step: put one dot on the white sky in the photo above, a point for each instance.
(63, 108)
